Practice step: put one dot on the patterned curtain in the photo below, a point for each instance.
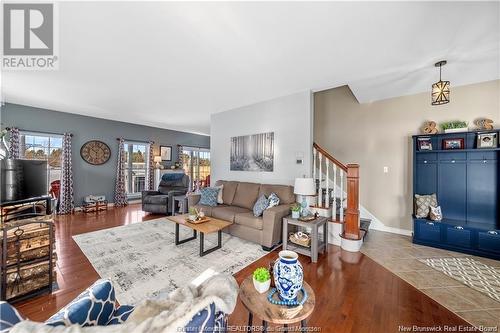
(150, 172)
(120, 195)
(14, 143)
(66, 203)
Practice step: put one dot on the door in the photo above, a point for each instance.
(452, 193)
(482, 193)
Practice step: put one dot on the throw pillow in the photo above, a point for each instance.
(274, 200)
(209, 196)
(95, 306)
(422, 204)
(260, 206)
(219, 196)
(435, 213)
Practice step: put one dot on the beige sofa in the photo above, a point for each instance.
(239, 199)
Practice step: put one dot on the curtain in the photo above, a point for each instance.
(66, 202)
(150, 172)
(120, 195)
(14, 143)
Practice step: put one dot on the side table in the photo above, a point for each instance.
(316, 243)
(258, 305)
(182, 202)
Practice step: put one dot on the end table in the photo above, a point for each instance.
(258, 305)
(316, 243)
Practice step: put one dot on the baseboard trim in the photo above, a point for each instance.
(398, 231)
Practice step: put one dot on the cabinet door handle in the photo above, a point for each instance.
(452, 161)
(429, 223)
(425, 162)
(484, 161)
(459, 227)
(493, 232)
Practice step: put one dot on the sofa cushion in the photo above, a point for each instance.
(284, 192)
(95, 306)
(246, 195)
(228, 191)
(161, 199)
(249, 220)
(167, 189)
(205, 209)
(227, 213)
(209, 196)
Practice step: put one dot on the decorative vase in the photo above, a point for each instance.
(288, 275)
(295, 214)
(456, 130)
(261, 287)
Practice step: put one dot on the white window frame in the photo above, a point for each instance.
(22, 147)
(129, 169)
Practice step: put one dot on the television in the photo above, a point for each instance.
(23, 179)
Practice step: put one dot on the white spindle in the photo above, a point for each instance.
(341, 195)
(327, 179)
(314, 165)
(334, 192)
(320, 191)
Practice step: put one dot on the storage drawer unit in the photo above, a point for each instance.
(428, 230)
(458, 236)
(489, 241)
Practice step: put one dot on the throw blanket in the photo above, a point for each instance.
(155, 316)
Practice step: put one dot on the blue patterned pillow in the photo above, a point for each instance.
(8, 317)
(274, 200)
(121, 314)
(209, 196)
(95, 306)
(260, 206)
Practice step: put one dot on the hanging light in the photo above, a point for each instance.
(440, 89)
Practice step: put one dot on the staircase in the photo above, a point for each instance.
(337, 197)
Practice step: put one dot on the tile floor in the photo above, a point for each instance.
(399, 255)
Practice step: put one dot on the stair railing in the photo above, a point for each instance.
(348, 182)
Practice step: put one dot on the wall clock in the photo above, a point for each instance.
(95, 152)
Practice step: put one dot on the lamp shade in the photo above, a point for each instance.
(304, 186)
(157, 159)
(440, 92)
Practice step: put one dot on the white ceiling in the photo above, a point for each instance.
(171, 64)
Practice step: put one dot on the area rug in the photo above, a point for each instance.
(143, 262)
(475, 274)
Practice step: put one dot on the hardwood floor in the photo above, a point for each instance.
(353, 293)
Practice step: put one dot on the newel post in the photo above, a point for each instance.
(351, 226)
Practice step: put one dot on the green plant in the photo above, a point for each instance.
(453, 124)
(193, 211)
(295, 207)
(261, 274)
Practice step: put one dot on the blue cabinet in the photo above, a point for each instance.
(466, 185)
(482, 198)
(452, 194)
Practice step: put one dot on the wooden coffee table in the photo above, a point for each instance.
(214, 225)
(257, 304)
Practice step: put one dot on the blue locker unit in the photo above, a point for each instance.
(466, 185)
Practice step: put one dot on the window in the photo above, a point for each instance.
(196, 164)
(136, 156)
(41, 146)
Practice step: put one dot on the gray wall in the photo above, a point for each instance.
(90, 179)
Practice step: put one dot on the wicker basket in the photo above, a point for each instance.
(302, 241)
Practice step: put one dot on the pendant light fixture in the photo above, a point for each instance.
(440, 89)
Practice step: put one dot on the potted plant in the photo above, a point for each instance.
(295, 210)
(454, 126)
(193, 214)
(261, 280)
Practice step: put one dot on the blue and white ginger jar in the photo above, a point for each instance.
(288, 275)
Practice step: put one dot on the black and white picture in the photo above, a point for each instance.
(252, 152)
(166, 153)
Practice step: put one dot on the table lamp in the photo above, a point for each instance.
(304, 187)
(157, 160)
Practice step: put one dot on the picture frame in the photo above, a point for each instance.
(424, 143)
(487, 140)
(453, 143)
(166, 153)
